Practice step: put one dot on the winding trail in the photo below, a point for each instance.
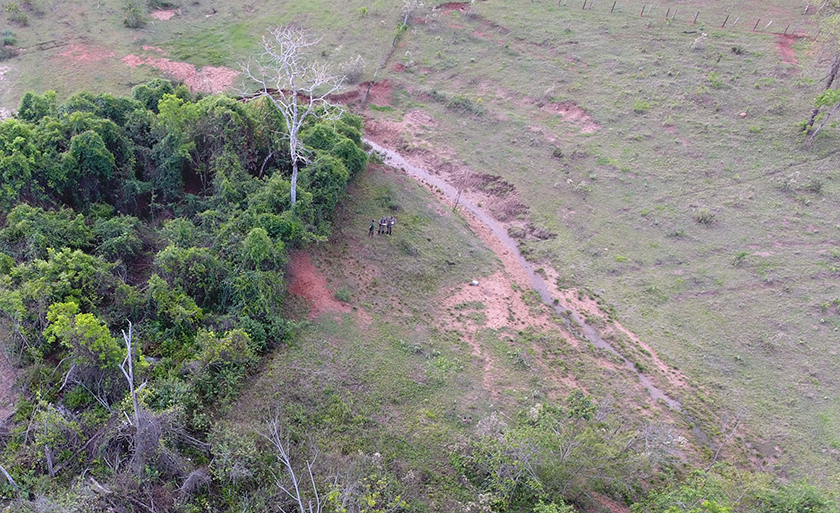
(394, 159)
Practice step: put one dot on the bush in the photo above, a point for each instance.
(704, 216)
(7, 52)
(641, 106)
(343, 294)
(16, 15)
(133, 15)
(8, 37)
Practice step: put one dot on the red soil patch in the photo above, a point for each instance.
(398, 67)
(609, 504)
(308, 283)
(85, 53)
(164, 14)
(209, 79)
(454, 6)
(784, 44)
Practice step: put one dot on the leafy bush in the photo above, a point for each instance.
(704, 216)
(16, 14)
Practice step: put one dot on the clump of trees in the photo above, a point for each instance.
(142, 247)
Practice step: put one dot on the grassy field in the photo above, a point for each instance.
(682, 196)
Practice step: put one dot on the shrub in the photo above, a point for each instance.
(704, 216)
(353, 70)
(641, 106)
(343, 294)
(7, 52)
(714, 80)
(8, 37)
(16, 15)
(133, 14)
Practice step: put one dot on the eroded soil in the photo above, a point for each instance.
(307, 282)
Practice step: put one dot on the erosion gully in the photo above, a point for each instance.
(397, 161)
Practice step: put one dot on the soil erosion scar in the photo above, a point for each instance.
(396, 160)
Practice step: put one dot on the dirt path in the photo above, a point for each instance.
(8, 397)
(521, 272)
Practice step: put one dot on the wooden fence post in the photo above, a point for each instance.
(756, 24)
(613, 7)
(695, 18)
(724, 21)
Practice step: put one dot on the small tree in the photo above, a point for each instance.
(295, 86)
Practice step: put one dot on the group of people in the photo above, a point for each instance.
(386, 224)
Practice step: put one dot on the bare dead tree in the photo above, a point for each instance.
(832, 74)
(9, 478)
(296, 491)
(829, 44)
(294, 85)
(127, 368)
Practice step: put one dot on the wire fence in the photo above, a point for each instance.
(784, 24)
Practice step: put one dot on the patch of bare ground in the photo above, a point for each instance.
(78, 52)
(309, 284)
(453, 6)
(784, 43)
(607, 504)
(164, 14)
(209, 79)
(572, 114)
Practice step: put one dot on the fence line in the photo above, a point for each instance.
(616, 7)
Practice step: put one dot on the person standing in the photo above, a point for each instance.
(383, 223)
(372, 224)
(391, 222)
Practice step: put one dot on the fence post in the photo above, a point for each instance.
(584, 6)
(667, 13)
(613, 7)
(735, 22)
(643, 11)
(695, 17)
(794, 29)
(756, 24)
(765, 26)
(674, 16)
(786, 29)
(724, 21)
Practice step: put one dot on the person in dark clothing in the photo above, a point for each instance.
(372, 224)
(383, 224)
(391, 222)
